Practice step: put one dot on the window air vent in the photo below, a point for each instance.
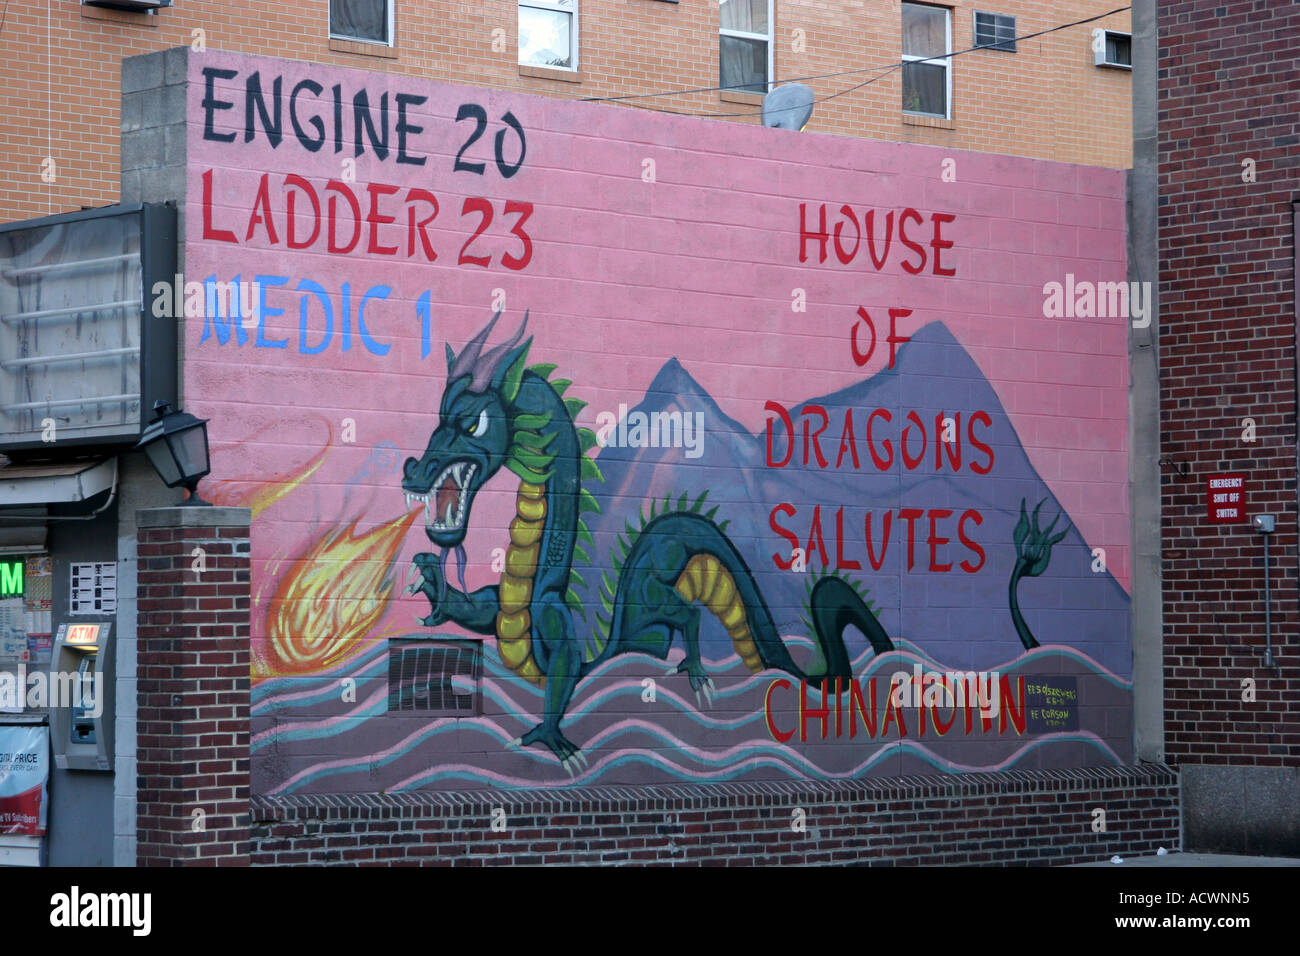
(995, 31)
(439, 678)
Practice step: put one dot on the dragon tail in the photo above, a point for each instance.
(727, 589)
(717, 577)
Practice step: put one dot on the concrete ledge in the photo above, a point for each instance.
(550, 73)
(193, 516)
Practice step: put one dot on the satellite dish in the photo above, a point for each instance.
(788, 106)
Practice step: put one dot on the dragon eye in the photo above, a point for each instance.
(480, 427)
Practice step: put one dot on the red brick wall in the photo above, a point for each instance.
(1227, 354)
(193, 680)
(60, 70)
(995, 818)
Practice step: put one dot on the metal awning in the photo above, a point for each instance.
(66, 483)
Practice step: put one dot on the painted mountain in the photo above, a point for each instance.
(963, 619)
(637, 725)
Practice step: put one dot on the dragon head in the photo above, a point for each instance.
(473, 438)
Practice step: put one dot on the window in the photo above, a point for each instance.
(370, 21)
(548, 33)
(1112, 49)
(995, 31)
(927, 82)
(745, 54)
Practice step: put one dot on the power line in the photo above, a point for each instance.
(884, 71)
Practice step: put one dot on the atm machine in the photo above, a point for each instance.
(81, 697)
(55, 714)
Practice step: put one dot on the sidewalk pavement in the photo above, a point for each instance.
(1196, 859)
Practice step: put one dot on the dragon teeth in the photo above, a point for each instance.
(461, 472)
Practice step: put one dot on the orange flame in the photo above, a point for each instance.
(267, 492)
(330, 598)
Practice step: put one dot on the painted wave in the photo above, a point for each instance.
(322, 735)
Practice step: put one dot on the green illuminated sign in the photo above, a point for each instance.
(11, 579)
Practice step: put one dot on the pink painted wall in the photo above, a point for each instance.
(652, 237)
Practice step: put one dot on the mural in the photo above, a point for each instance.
(495, 413)
(725, 453)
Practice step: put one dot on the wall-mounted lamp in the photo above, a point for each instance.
(1265, 524)
(177, 446)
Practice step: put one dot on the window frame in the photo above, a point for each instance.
(554, 7)
(946, 58)
(391, 5)
(769, 38)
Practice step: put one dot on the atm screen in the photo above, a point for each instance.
(83, 724)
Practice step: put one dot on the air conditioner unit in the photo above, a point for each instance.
(132, 6)
(1112, 49)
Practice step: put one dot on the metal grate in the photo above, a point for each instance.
(440, 678)
(995, 31)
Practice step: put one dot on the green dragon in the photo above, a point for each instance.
(497, 412)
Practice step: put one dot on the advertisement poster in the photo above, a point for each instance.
(13, 629)
(24, 773)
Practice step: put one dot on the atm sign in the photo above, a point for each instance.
(1225, 498)
(82, 634)
(11, 579)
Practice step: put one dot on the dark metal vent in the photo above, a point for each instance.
(440, 678)
(996, 31)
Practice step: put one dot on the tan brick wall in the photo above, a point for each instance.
(61, 79)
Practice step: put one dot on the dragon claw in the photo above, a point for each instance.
(515, 744)
(581, 758)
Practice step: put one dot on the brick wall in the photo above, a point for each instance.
(1227, 354)
(60, 72)
(193, 668)
(1043, 818)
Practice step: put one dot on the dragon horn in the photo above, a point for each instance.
(469, 355)
(486, 367)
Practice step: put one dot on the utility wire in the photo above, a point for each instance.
(884, 71)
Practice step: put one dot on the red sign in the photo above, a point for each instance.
(1225, 498)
